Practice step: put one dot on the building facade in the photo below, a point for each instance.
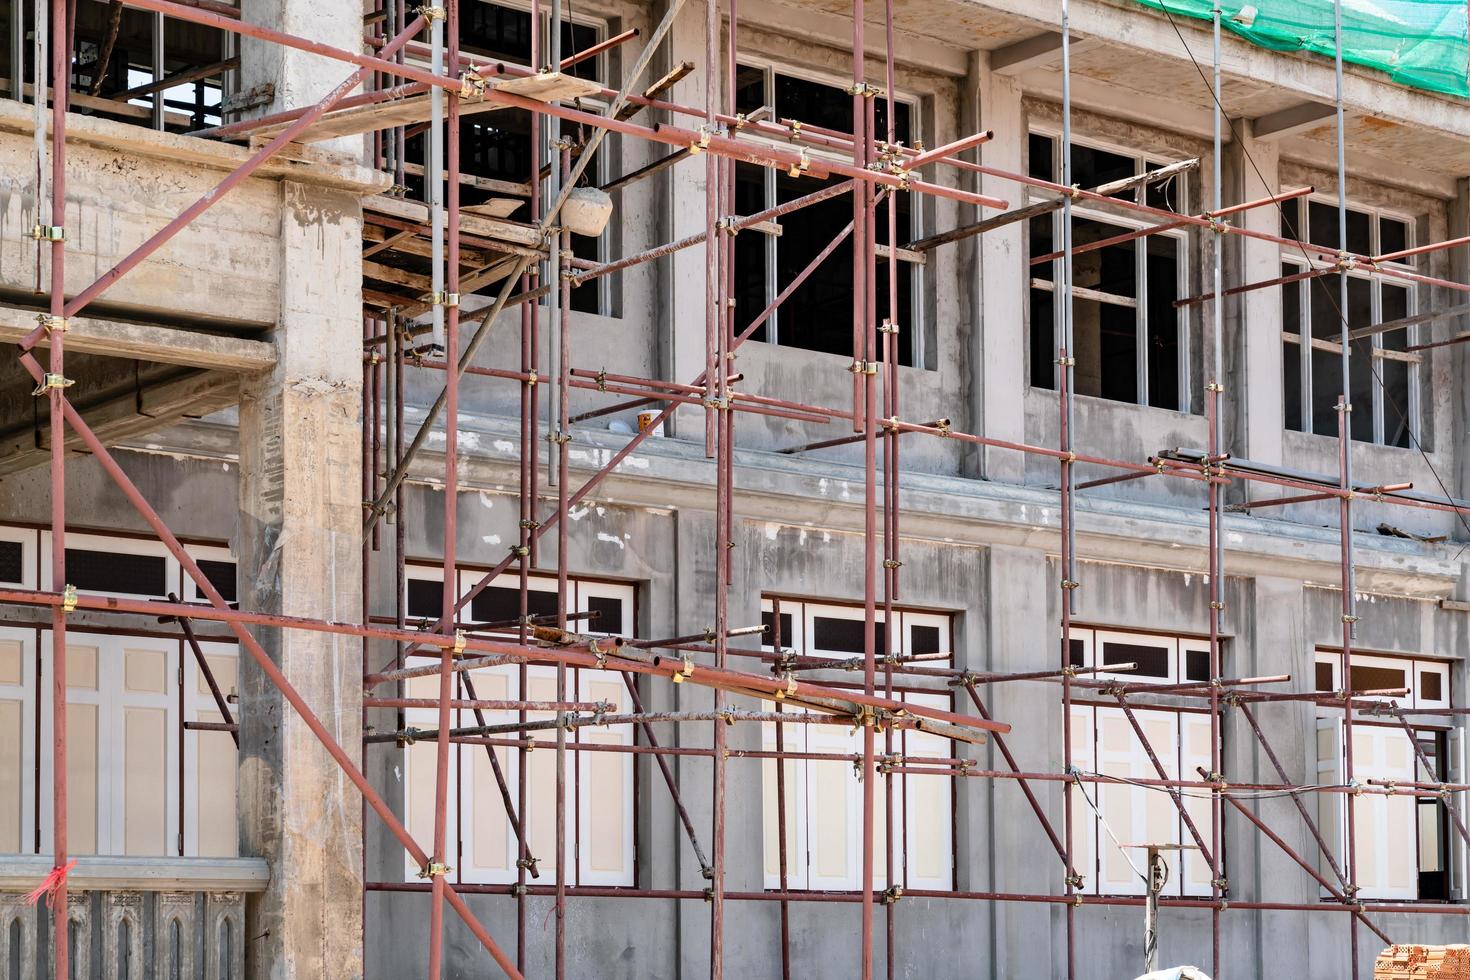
(229, 373)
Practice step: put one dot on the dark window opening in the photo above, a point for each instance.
(1324, 677)
(504, 34)
(1104, 333)
(1077, 653)
(1039, 162)
(1432, 818)
(609, 618)
(1430, 686)
(425, 599)
(1162, 256)
(222, 575)
(115, 571)
(1196, 665)
(846, 635)
(499, 604)
(923, 640)
(1378, 678)
(785, 638)
(12, 561)
(1152, 661)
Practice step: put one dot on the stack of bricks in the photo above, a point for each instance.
(1423, 963)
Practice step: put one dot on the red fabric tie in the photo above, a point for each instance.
(51, 885)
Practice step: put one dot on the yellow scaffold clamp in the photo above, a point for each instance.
(435, 869)
(686, 671)
(69, 598)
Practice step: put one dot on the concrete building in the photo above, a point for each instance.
(253, 379)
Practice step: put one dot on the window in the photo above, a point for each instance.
(1130, 343)
(1383, 379)
(1103, 741)
(1160, 658)
(600, 783)
(818, 315)
(824, 797)
(1402, 841)
(495, 148)
(125, 738)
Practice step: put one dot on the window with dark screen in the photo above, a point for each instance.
(817, 315)
(1383, 368)
(115, 571)
(1129, 340)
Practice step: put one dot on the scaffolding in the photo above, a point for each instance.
(876, 168)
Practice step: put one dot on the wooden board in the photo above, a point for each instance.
(369, 118)
(548, 86)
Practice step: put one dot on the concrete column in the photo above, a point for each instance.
(1000, 351)
(1029, 938)
(681, 322)
(1459, 271)
(300, 515)
(1255, 393)
(299, 79)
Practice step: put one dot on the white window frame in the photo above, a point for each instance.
(806, 797)
(1302, 335)
(29, 541)
(25, 694)
(112, 699)
(200, 706)
(1092, 844)
(465, 791)
(98, 542)
(1094, 638)
(1414, 668)
(598, 171)
(189, 588)
(769, 67)
(1082, 212)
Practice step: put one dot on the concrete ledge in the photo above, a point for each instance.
(22, 872)
(146, 342)
(304, 165)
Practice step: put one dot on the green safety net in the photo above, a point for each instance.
(1419, 43)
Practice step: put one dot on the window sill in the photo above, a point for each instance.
(111, 872)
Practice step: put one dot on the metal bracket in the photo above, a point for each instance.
(863, 367)
(48, 233)
(892, 563)
(435, 869)
(459, 641)
(804, 164)
(686, 671)
(864, 89)
(430, 13)
(69, 598)
(53, 324)
(52, 381)
(446, 299)
(783, 693)
(471, 85)
(532, 378)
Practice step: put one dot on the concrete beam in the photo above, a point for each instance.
(156, 406)
(145, 342)
(1041, 51)
(1292, 120)
(307, 165)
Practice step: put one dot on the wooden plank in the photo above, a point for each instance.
(399, 277)
(668, 81)
(548, 86)
(1047, 207)
(904, 254)
(83, 101)
(471, 224)
(479, 183)
(1095, 295)
(369, 118)
(146, 342)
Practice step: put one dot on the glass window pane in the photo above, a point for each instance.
(750, 249)
(1152, 661)
(1323, 220)
(1397, 418)
(1291, 354)
(750, 90)
(1360, 364)
(1105, 332)
(1163, 321)
(1166, 194)
(1291, 219)
(1091, 167)
(1359, 227)
(1043, 339)
(1039, 153)
(813, 103)
(817, 315)
(1393, 236)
